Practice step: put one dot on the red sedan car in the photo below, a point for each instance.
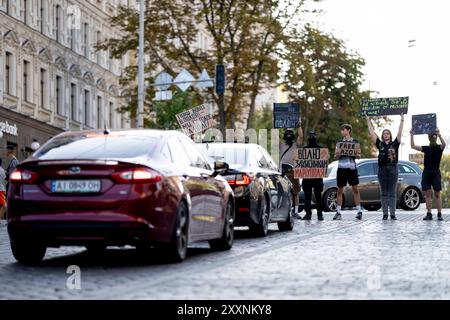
(134, 187)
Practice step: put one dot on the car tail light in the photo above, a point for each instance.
(137, 175)
(242, 180)
(23, 176)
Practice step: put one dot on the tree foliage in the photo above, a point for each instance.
(246, 37)
(325, 79)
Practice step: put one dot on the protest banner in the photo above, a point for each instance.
(350, 149)
(196, 120)
(286, 115)
(311, 163)
(417, 158)
(384, 106)
(424, 123)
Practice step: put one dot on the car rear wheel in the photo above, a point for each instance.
(262, 228)
(330, 200)
(410, 199)
(226, 241)
(176, 251)
(28, 253)
(288, 225)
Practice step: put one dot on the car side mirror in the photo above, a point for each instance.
(286, 168)
(220, 167)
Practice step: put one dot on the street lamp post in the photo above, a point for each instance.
(141, 92)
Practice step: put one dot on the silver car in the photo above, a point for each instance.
(409, 194)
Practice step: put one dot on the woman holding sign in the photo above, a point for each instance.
(387, 166)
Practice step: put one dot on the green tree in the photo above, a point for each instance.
(246, 36)
(324, 77)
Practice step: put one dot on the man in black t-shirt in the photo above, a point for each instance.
(431, 176)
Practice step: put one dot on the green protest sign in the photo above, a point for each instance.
(384, 106)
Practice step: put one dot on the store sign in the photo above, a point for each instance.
(7, 128)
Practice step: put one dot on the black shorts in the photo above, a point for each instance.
(431, 179)
(347, 176)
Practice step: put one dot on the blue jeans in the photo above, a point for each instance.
(388, 178)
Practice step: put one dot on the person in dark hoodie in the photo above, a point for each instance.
(313, 185)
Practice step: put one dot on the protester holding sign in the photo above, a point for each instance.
(431, 176)
(287, 151)
(310, 185)
(387, 166)
(347, 172)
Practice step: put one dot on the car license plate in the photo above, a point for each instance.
(75, 186)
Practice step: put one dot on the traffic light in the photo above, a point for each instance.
(220, 79)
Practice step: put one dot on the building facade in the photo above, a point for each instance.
(51, 73)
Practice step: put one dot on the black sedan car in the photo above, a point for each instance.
(262, 194)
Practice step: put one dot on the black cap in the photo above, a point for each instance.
(312, 134)
(10, 147)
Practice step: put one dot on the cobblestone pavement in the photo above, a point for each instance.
(348, 259)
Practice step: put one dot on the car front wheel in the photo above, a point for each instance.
(330, 200)
(288, 225)
(226, 241)
(410, 199)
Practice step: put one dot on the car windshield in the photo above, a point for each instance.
(234, 155)
(96, 146)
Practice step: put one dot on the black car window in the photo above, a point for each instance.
(97, 146)
(366, 169)
(196, 157)
(179, 155)
(231, 154)
(405, 169)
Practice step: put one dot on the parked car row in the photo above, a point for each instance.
(141, 188)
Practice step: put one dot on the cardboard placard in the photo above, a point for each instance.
(424, 123)
(417, 158)
(286, 115)
(196, 120)
(311, 163)
(384, 106)
(350, 149)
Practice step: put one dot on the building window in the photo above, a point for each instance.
(42, 16)
(59, 96)
(87, 97)
(72, 39)
(99, 39)
(99, 112)
(73, 101)
(25, 11)
(43, 89)
(58, 23)
(111, 115)
(26, 80)
(86, 40)
(8, 61)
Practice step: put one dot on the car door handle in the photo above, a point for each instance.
(374, 181)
